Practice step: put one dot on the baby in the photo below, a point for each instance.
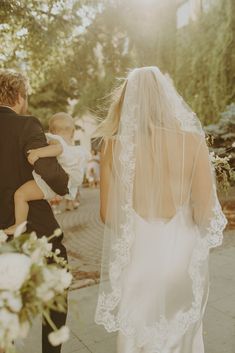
(72, 158)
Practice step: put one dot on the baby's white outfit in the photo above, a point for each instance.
(73, 160)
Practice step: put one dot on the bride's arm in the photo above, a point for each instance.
(203, 196)
(105, 176)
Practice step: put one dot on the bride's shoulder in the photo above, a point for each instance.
(194, 141)
(194, 138)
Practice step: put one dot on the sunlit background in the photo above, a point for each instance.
(73, 51)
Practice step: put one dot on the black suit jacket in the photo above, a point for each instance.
(18, 134)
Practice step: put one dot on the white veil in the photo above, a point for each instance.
(160, 166)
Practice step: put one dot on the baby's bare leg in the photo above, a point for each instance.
(27, 192)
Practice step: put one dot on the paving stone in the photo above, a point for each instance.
(220, 332)
(83, 239)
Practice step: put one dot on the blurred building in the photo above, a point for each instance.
(85, 126)
(188, 10)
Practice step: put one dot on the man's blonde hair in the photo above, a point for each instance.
(61, 122)
(12, 84)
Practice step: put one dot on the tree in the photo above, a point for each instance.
(205, 55)
(76, 50)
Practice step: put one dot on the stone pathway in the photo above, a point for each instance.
(83, 238)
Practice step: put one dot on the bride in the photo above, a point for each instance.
(161, 215)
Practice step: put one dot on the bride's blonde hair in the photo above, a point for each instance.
(109, 126)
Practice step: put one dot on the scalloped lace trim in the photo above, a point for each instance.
(157, 334)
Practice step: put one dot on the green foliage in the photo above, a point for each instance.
(222, 134)
(34, 37)
(76, 50)
(222, 143)
(224, 130)
(225, 174)
(205, 55)
(102, 54)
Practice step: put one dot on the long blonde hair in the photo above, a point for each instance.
(109, 126)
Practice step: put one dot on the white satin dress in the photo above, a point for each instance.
(158, 270)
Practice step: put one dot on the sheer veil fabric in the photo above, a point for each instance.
(163, 216)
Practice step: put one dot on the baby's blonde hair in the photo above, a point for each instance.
(61, 123)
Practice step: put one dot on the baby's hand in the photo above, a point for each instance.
(32, 156)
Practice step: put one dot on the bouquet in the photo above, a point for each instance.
(29, 286)
(225, 174)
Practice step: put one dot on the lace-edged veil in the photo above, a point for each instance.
(160, 164)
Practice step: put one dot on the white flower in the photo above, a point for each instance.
(60, 336)
(57, 232)
(20, 229)
(36, 257)
(59, 279)
(26, 247)
(12, 300)
(33, 236)
(45, 247)
(45, 292)
(9, 322)
(56, 280)
(24, 329)
(37, 248)
(233, 145)
(3, 237)
(65, 278)
(15, 303)
(14, 269)
(212, 156)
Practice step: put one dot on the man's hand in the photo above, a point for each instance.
(32, 156)
(49, 169)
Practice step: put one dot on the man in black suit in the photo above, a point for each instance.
(18, 134)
